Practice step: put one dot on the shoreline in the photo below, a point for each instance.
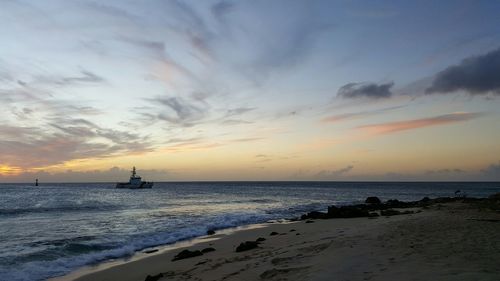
(157, 250)
(303, 254)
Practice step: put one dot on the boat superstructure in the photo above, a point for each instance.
(135, 182)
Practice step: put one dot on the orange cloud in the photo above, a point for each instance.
(392, 127)
(6, 170)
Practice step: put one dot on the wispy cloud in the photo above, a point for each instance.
(393, 127)
(65, 140)
(239, 111)
(355, 115)
(178, 111)
(247, 139)
(333, 174)
(84, 77)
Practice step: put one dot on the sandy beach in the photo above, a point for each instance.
(448, 241)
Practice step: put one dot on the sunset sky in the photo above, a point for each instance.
(249, 90)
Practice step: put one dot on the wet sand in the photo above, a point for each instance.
(452, 241)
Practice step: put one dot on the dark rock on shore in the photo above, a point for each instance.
(347, 212)
(425, 200)
(154, 277)
(248, 245)
(315, 215)
(187, 254)
(495, 196)
(260, 239)
(391, 212)
(210, 232)
(207, 250)
(387, 209)
(273, 233)
(373, 200)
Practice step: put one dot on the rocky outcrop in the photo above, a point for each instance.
(207, 250)
(373, 200)
(374, 204)
(347, 212)
(248, 245)
(495, 196)
(185, 254)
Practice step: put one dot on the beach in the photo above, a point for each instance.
(456, 240)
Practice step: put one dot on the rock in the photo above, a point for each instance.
(248, 245)
(390, 212)
(292, 230)
(394, 203)
(207, 250)
(210, 232)
(187, 254)
(445, 200)
(425, 200)
(309, 221)
(154, 277)
(315, 215)
(373, 200)
(260, 239)
(495, 196)
(347, 212)
(273, 233)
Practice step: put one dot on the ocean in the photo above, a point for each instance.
(52, 229)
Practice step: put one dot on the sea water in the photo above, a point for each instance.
(52, 229)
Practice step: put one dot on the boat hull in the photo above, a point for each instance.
(142, 185)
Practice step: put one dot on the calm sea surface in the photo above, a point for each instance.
(51, 229)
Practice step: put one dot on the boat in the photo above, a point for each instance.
(135, 182)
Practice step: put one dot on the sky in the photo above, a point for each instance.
(249, 90)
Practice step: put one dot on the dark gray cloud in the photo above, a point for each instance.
(478, 75)
(365, 90)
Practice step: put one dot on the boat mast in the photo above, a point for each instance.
(133, 172)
